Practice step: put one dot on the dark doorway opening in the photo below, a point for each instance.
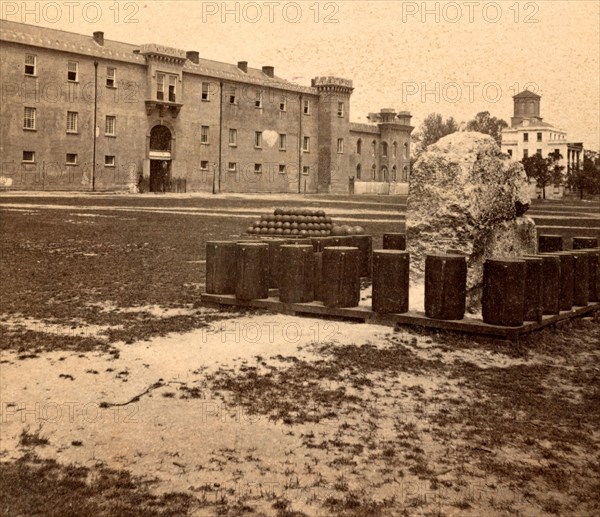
(160, 139)
(160, 159)
(160, 176)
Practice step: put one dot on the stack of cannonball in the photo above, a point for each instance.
(293, 223)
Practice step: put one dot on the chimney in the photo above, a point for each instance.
(99, 38)
(243, 66)
(269, 70)
(193, 56)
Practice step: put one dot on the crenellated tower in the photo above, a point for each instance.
(334, 127)
(394, 145)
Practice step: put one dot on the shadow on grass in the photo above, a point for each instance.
(34, 487)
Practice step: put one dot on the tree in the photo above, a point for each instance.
(431, 130)
(591, 172)
(536, 168)
(544, 170)
(586, 177)
(485, 123)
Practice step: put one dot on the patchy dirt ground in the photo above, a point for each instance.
(120, 396)
(267, 414)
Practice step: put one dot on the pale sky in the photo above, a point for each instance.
(474, 57)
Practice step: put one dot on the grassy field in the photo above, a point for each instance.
(101, 306)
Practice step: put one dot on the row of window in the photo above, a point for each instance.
(110, 129)
(384, 173)
(526, 137)
(526, 152)
(72, 71)
(384, 148)
(258, 140)
(71, 158)
(258, 101)
(109, 161)
(30, 118)
(258, 167)
(553, 136)
(166, 90)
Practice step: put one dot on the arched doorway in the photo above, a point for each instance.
(160, 159)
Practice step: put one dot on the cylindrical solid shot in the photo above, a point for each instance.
(252, 271)
(391, 270)
(503, 299)
(220, 267)
(445, 286)
(341, 276)
(296, 281)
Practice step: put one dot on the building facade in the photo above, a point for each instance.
(529, 134)
(86, 113)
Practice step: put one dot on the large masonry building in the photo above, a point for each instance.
(529, 134)
(85, 113)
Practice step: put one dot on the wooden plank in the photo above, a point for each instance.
(364, 314)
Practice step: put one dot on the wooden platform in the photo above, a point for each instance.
(364, 314)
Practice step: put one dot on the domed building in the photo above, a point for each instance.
(529, 134)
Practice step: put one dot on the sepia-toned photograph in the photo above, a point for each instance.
(299, 258)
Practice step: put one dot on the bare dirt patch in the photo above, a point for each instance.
(351, 419)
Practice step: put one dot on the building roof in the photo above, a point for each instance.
(527, 94)
(364, 128)
(33, 35)
(535, 123)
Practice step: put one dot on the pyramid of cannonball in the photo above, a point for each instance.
(293, 222)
